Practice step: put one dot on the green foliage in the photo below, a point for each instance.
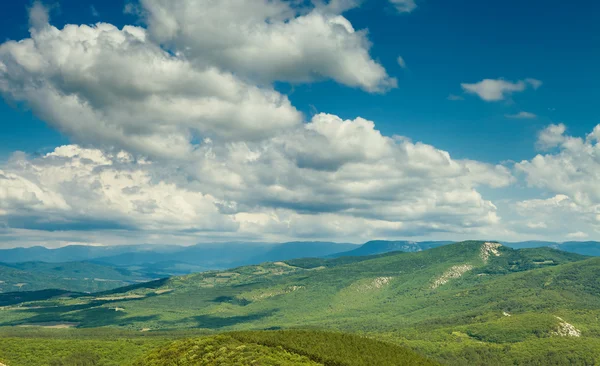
(221, 350)
(335, 349)
(78, 358)
(514, 328)
(293, 347)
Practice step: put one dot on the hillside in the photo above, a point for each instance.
(110, 347)
(460, 303)
(309, 348)
(71, 276)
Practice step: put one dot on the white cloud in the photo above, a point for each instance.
(38, 15)
(71, 186)
(404, 6)
(94, 11)
(102, 85)
(577, 235)
(535, 84)
(195, 143)
(537, 225)
(401, 62)
(522, 115)
(286, 187)
(268, 41)
(493, 90)
(551, 136)
(572, 175)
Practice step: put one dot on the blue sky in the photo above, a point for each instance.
(444, 44)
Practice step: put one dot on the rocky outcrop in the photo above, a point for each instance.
(453, 272)
(489, 249)
(566, 330)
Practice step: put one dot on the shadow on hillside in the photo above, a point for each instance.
(231, 300)
(217, 322)
(89, 314)
(87, 317)
(15, 298)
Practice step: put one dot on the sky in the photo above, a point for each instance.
(153, 121)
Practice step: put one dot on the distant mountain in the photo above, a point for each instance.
(591, 248)
(132, 264)
(75, 253)
(203, 256)
(384, 246)
(294, 250)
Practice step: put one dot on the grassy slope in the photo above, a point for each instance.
(389, 296)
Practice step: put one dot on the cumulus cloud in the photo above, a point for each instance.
(106, 85)
(574, 170)
(178, 133)
(364, 184)
(268, 41)
(572, 174)
(73, 187)
(493, 90)
(404, 6)
(522, 115)
(551, 136)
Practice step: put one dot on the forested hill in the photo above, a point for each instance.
(482, 294)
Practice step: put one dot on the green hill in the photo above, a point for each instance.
(466, 303)
(71, 276)
(310, 348)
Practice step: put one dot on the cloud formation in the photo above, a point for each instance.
(494, 90)
(104, 85)
(177, 129)
(571, 174)
(268, 41)
(404, 6)
(522, 115)
(364, 184)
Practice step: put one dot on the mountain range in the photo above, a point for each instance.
(91, 269)
(476, 303)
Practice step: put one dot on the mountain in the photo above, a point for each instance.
(385, 246)
(302, 250)
(591, 248)
(200, 256)
(70, 276)
(586, 248)
(476, 303)
(75, 253)
(142, 263)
